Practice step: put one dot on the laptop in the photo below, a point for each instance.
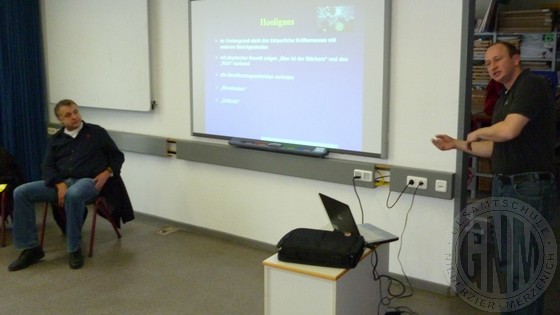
(343, 221)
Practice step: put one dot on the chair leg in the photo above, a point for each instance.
(103, 206)
(100, 205)
(3, 206)
(44, 224)
(92, 233)
(3, 228)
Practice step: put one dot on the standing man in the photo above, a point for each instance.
(79, 160)
(520, 141)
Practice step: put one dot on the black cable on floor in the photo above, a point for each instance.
(386, 301)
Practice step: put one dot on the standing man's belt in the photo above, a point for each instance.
(525, 177)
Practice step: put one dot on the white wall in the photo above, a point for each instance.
(424, 98)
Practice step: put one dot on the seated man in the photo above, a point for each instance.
(79, 160)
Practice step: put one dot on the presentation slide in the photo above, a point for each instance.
(288, 71)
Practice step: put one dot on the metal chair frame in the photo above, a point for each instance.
(100, 207)
(5, 214)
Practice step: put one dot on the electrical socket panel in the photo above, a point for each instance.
(364, 176)
(414, 182)
(437, 184)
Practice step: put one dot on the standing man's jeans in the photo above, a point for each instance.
(539, 194)
(25, 196)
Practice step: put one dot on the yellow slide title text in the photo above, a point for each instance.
(276, 22)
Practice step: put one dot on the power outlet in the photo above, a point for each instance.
(414, 181)
(363, 175)
(434, 182)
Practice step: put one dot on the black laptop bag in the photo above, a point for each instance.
(321, 248)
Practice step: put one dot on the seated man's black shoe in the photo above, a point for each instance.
(76, 259)
(27, 258)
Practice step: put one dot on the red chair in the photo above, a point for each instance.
(100, 207)
(11, 174)
(6, 212)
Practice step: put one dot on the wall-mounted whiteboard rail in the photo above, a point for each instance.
(97, 53)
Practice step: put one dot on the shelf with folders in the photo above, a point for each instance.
(480, 75)
(481, 42)
(526, 21)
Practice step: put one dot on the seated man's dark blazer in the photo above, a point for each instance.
(116, 195)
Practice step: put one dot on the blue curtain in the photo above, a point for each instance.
(23, 101)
